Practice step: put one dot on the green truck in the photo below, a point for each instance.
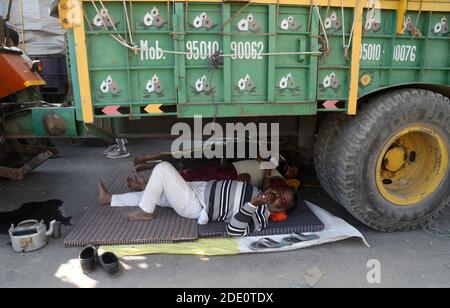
(375, 75)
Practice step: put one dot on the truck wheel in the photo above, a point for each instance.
(326, 142)
(392, 160)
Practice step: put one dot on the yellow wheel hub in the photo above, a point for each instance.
(395, 159)
(411, 165)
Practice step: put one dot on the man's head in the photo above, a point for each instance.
(281, 199)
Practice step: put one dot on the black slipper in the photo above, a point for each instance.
(111, 264)
(87, 259)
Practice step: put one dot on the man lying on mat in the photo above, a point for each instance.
(242, 206)
(246, 171)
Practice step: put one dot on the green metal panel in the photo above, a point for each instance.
(296, 76)
(42, 122)
(250, 75)
(421, 56)
(121, 77)
(54, 122)
(334, 66)
(18, 124)
(202, 27)
(175, 40)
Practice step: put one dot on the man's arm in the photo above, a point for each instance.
(239, 226)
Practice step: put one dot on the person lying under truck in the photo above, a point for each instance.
(246, 170)
(243, 207)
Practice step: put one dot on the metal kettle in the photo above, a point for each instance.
(31, 235)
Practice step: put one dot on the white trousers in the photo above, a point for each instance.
(165, 188)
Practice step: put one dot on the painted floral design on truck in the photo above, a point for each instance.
(289, 23)
(202, 85)
(245, 85)
(248, 24)
(154, 86)
(373, 21)
(333, 22)
(104, 19)
(441, 27)
(330, 81)
(366, 79)
(411, 27)
(153, 19)
(287, 84)
(203, 21)
(109, 86)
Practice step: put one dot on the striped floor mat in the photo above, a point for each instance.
(106, 225)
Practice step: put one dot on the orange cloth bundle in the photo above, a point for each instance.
(278, 217)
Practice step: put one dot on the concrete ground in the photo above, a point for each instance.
(408, 259)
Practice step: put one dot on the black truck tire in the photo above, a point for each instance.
(324, 149)
(391, 167)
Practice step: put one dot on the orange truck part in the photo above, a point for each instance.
(15, 74)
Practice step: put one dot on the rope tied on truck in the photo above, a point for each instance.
(348, 44)
(416, 32)
(117, 37)
(129, 44)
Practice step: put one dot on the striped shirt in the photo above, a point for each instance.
(229, 201)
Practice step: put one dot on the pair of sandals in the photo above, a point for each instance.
(110, 263)
(294, 238)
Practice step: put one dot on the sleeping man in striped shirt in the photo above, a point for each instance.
(243, 207)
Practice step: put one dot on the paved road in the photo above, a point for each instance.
(408, 259)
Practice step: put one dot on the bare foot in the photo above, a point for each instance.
(135, 185)
(139, 215)
(104, 197)
(138, 160)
